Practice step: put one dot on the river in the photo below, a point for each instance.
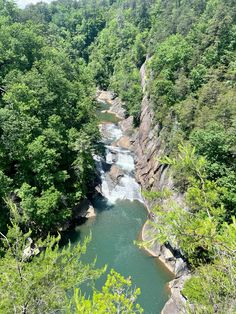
(120, 217)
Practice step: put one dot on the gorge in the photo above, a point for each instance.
(119, 114)
(121, 213)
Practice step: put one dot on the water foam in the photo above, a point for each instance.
(126, 187)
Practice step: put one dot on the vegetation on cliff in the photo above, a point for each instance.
(200, 229)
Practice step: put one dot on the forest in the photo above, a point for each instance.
(53, 57)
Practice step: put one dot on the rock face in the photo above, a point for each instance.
(126, 125)
(148, 148)
(177, 303)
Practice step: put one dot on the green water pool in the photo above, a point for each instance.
(114, 231)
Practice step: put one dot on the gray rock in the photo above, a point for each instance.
(181, 267)
(177, 303)
(105, 96)
(115, 173)
(117, 108)
(123, 142)
(116, 105)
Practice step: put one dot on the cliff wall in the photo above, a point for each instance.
(149, 147)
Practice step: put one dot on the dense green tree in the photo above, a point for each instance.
(117, 296)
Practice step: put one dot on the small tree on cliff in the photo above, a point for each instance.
(199, 230)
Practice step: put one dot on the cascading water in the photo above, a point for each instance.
(124, 185)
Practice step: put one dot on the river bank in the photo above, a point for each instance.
(175, 264)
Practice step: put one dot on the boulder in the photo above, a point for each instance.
(115, 173)
(117, 108)
(123, 142)
(105, 96)
(85, 209)
(90, 212)
(167, 254)
(181, 267)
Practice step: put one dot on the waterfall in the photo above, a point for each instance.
(122, 185)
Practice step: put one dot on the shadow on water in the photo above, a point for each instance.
(101, 203)
(72, 236)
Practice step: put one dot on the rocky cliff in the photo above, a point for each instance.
(152, 175)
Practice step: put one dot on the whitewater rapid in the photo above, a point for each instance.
(125, 187)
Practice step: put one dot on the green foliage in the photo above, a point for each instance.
(199, 230)
(126, 82)
(119, 51)
(190, 68)
(117, 296)
(51, 58)
(212, 287)
(108, 48)
(36, 276)
(48, 127)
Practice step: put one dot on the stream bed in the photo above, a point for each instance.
(120, 217)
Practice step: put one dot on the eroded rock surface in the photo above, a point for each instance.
(90, 212)
(126, 125)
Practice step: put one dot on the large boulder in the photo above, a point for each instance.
(115, 173)
(123, 142)
(105, 96)
(85, 209)
(117, 108)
